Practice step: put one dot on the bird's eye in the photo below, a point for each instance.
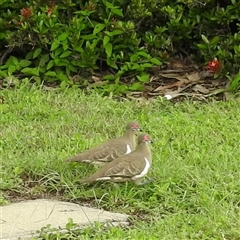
(146, 138)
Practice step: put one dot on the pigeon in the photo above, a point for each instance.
(131, 167)
(111, 149)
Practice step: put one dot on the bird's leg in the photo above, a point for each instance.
(150, 179)
(140, 182)
(146, 182)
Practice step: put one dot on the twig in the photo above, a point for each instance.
(5, 54)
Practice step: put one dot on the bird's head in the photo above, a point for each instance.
(144, 138)
(133, 126)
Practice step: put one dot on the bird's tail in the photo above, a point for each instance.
(77, 159)
(69, 160)
(86, 180)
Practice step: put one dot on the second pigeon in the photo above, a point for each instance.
(133, 166)
(110, 150)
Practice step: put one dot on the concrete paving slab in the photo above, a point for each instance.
(22, 220)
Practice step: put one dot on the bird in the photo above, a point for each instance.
(111, 149)
(131, 167)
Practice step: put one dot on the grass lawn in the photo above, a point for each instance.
(196, 159)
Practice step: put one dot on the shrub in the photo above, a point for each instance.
(58, 40)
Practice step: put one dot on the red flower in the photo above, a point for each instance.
(26, 12)
(214, 65)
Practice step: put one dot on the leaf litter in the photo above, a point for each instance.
(182, 78)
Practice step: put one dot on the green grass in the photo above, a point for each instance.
(196, 188)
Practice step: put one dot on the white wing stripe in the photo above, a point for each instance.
(128, 149)
(145, 170)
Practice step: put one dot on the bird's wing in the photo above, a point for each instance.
(124, 169)
(104, 152)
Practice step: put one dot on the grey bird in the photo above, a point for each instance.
(111, 149)
(131, 167)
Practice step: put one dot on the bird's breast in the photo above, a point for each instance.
(144, 171)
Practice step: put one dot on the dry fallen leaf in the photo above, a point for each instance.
(173, 76)
(173, 94)
(178, 64)
(162, 88)
(193, 77)
(96, 79)
(200, 88)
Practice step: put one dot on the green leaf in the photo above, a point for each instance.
(136, 86)
(63, 36)
(98, 28)
(117, 12)
(146, 65)
(65, 54)
(110, 77)
(18, 67)
(117, 32)
(117, 80)
(65, 60)
(108, 49)
(65, 47)
(134, 57)
(12, 69)
(55, 45)
(4, 67)
(9, 62)
(14, 60)
(108, 4)
(112, 63)
(25, 63)
(235, 83)
(50, 64)
(144, 54)
(204, 38)
(58, 51)
(50, 73)
(106, 40)
(56, 61)
(135, 66)
(30, 71)
(65, 44)
(3, 74)
(155, 61)
(215, 40)
(143, 78)
(37, 79)
(62, 77)
(108, 33)
(89, 37)
(2, 36)
(72, 68)
(84, 13)
(202, 46)
(29, 55)
(63, 85)
(68, 71)
(37, 52)
(44, 59)
(79, 49)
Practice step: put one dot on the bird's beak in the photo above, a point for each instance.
(137, 129)
(150, 141)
